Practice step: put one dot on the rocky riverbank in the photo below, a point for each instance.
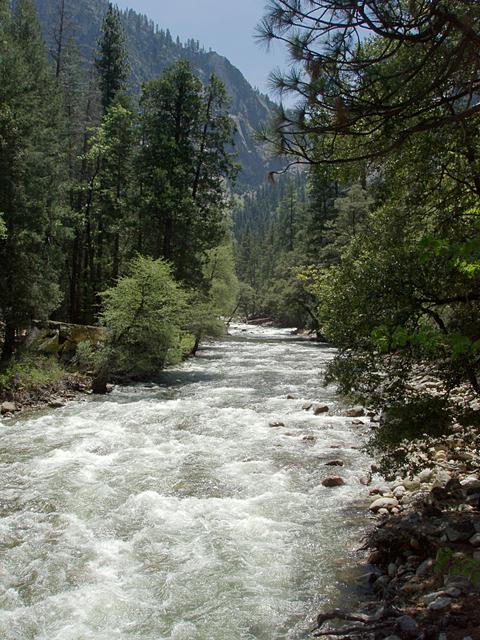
(424, 562)
(52, 395)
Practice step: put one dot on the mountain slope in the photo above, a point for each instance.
(151, 50)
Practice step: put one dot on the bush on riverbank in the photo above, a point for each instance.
(28, 372)
(143, 316)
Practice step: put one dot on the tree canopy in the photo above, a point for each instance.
(370, 75)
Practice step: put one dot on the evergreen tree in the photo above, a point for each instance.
(31, 173)
(183, 166)
(111, 60)
(113, 148)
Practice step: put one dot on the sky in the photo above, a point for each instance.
(227, 26)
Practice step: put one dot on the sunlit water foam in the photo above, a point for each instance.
(173, 510)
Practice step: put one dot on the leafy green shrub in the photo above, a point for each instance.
(418, 419)
(29, 371)
(88, 357)
(143, 315)
(414, 417)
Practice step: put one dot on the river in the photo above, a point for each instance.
(173, 511)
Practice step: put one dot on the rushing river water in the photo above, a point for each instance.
(173, 511)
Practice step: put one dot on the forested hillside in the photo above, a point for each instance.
(151, 49)
(112, 210)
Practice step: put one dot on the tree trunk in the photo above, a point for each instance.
(8, 348)
(99, 382)
(116, 256)
(195, 347)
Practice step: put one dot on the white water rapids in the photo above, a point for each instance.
(173, 511)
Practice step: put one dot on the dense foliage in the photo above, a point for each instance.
(385, 257)
(110, 210)
(142, 314)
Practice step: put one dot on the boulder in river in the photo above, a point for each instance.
(320, 408)
(7, 407)
(56, 403)
(333, 481)
(334, 463)
(277, 423)
(355, 412)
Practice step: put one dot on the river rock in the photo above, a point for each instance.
(471, 485)
(412, 586)
(320, 408)
(425, 476)
(334, 463)
(333, 481)
(475, 540)
(411, 485)
(369, 577)
(462, 583)
(383, 503)
(440, 604)
(375, 492)
(460, 531)
(407, 626)
(307, 406)
(7, 407)
(56, 404)
(291, 397)
(355, 412)
(441, 478)
(399, 492)
(277, 423)
(425, 568)
(366, 479)
(375, 557)
(381, 583)
(451, 592)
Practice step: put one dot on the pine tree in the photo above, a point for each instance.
(31, 165)
(111, 61)
(183, 164)
(113, 148)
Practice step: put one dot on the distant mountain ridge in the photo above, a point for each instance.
(151, 50)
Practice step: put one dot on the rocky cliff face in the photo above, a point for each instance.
(151, 50)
